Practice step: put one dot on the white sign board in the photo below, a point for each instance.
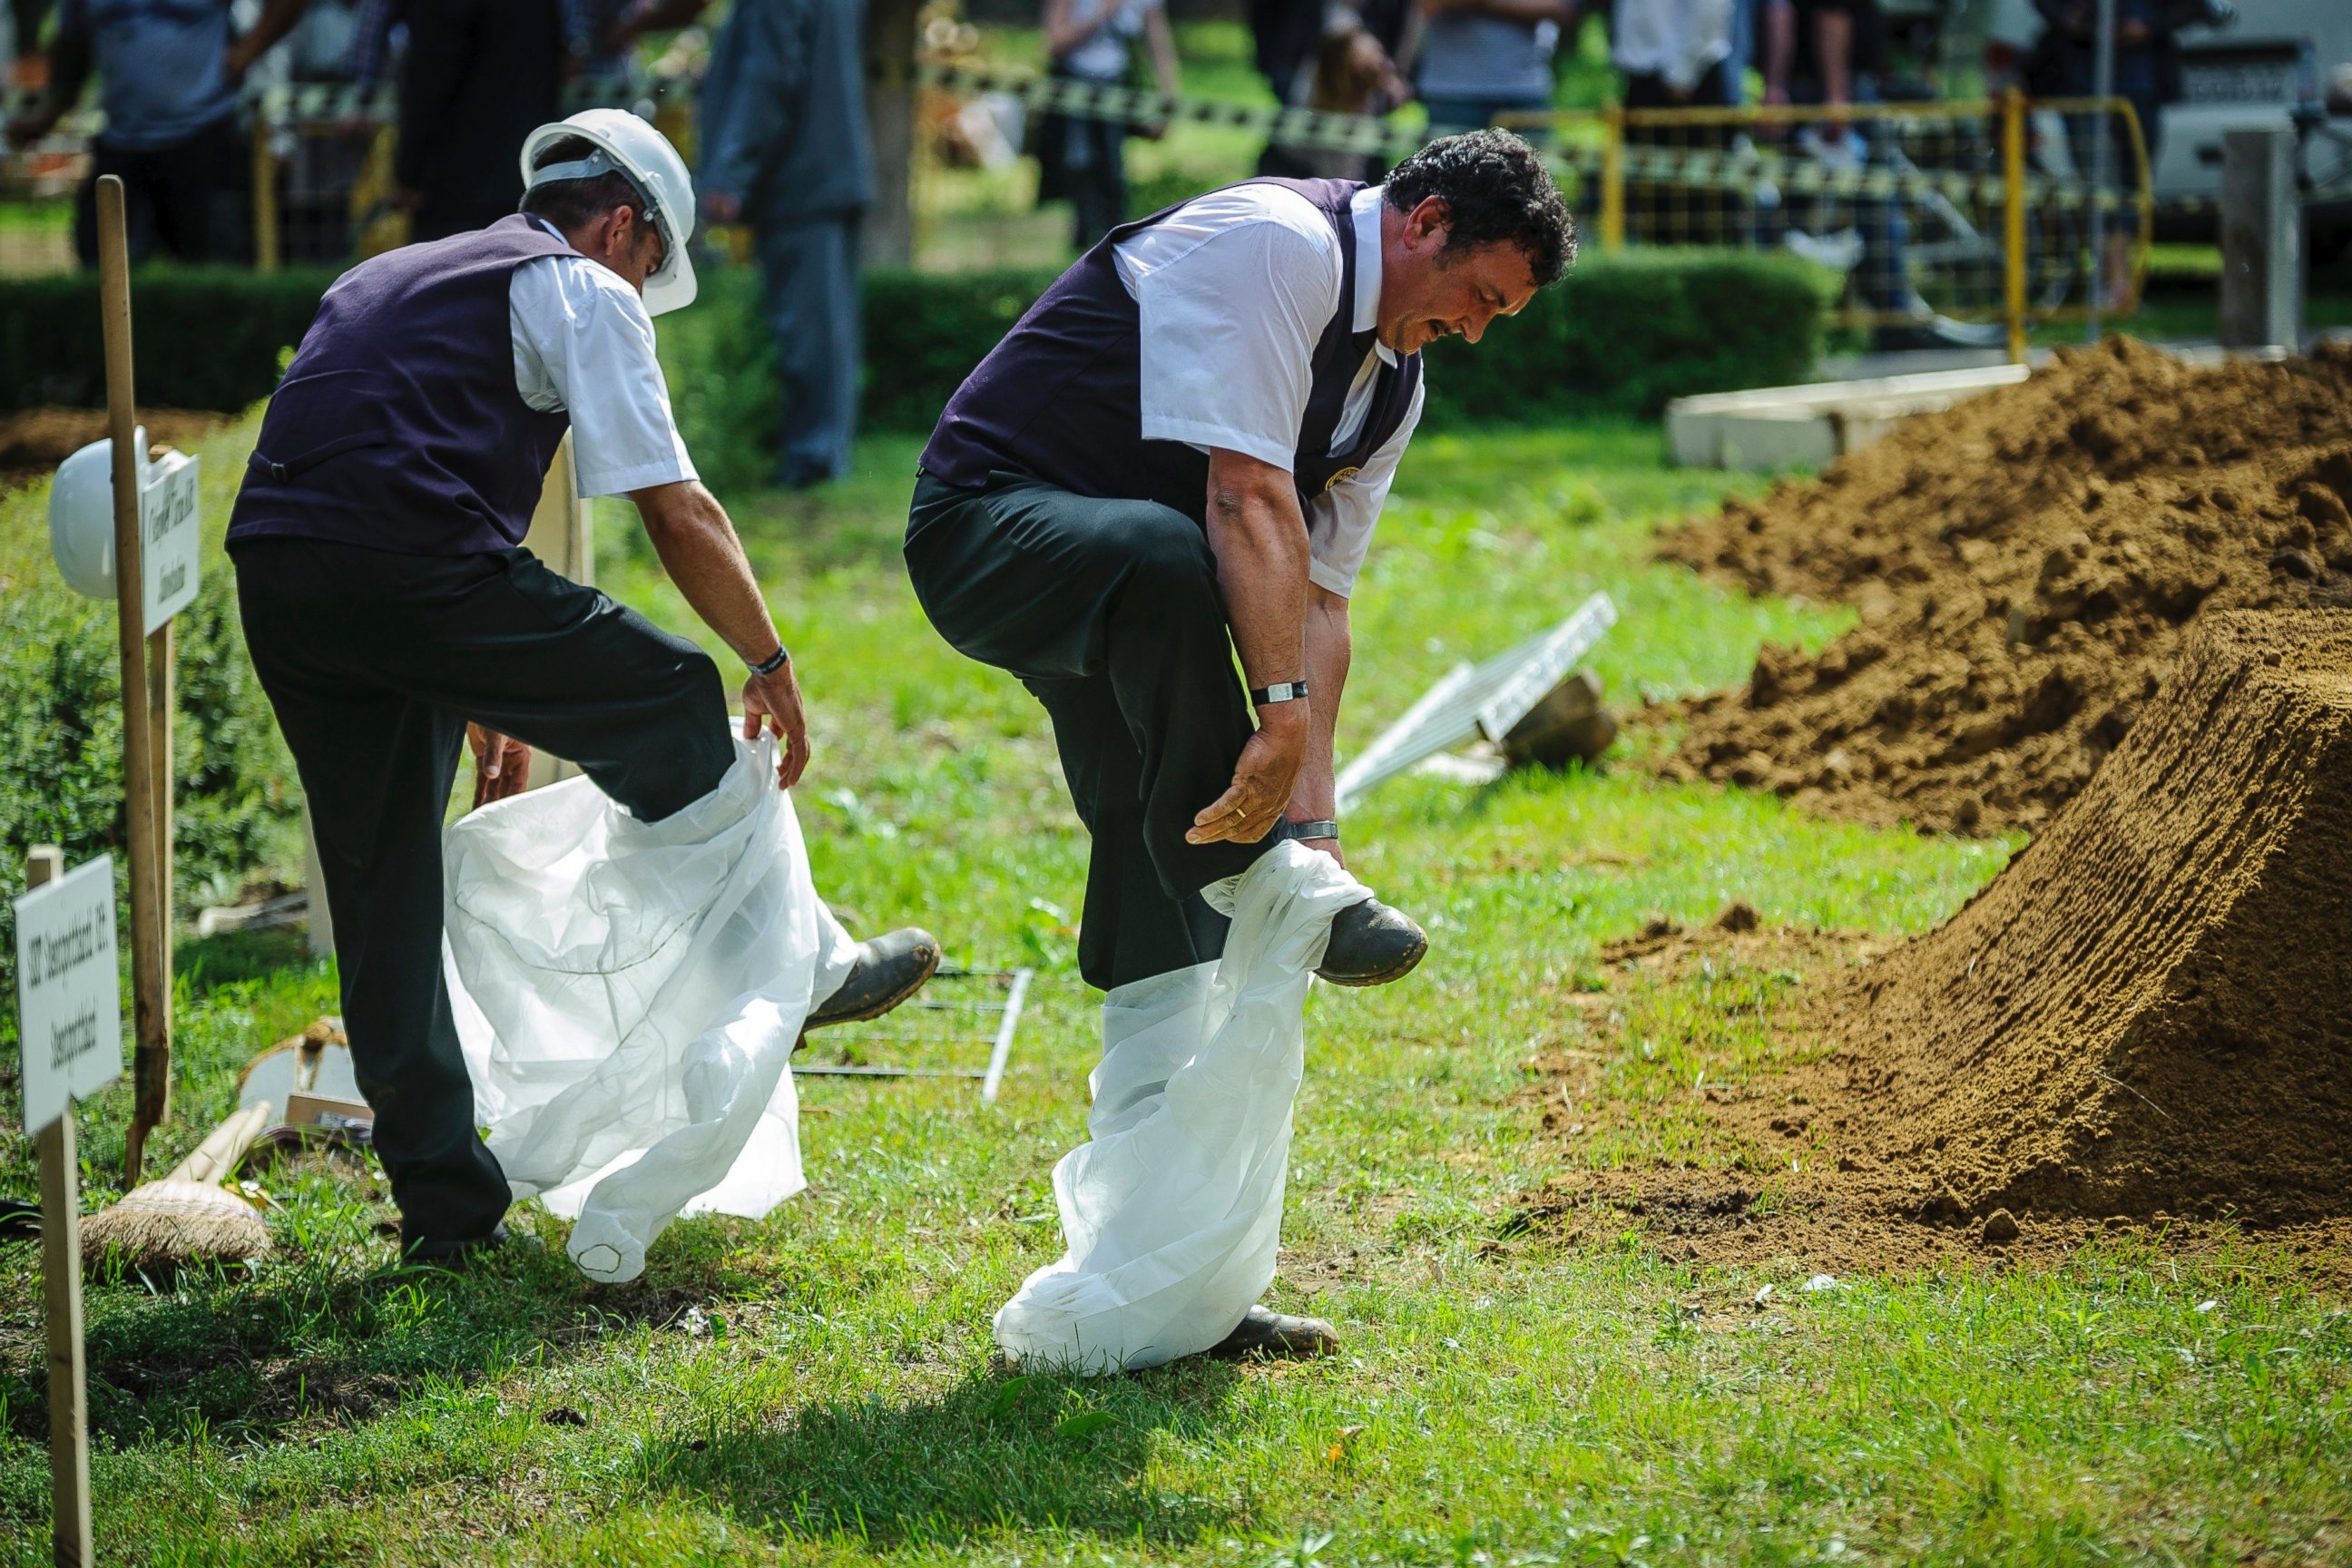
(68, 991)
(167, 517)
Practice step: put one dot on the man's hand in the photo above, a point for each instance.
(1263, 780)
(775, 699)
(501, 763)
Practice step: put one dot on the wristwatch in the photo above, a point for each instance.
(1280, 691)
(1314, 827)
(775, 661)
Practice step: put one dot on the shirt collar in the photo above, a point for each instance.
(1364, 206)
(550, 228)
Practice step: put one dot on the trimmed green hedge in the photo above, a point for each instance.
(1624, 333)
(201, 337)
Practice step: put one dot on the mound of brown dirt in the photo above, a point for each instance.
(2151, 1009)
(2026, 565)
(2142, 1021)
(33, 441)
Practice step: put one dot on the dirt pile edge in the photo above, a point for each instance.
(2026, 565)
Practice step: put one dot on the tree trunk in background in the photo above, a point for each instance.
(889, 234)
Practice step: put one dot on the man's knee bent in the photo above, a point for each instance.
(681, 750)
(1172, 564)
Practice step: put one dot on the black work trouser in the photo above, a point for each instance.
(1110, 613)
(185, 200)
(374, 662)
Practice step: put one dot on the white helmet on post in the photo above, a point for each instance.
(82, 516)
(626, 145)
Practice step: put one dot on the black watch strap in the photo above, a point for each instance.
(1280, 691)
(774, 662)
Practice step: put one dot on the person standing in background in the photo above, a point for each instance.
(1289, 36)
(1350, 73)
(167, 78)
(1081, 160)
(1482, 58)
(785, 149)
(1830, 53)
(1672, 54)
(2065, 64)
(479, 75)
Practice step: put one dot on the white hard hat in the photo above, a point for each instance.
(627, 145)
(82, 516)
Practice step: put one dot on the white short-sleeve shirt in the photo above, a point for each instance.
(584, 342)
(1231, 292)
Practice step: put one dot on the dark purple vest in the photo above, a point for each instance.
(398, 426)
(1060, 398)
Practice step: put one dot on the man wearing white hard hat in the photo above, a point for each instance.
(388, 606)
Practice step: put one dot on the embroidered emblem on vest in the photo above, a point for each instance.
(1341, 478)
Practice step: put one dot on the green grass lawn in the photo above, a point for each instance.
(822, 1386)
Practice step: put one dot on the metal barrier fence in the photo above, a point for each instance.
(1960, 221)
(1965, 223)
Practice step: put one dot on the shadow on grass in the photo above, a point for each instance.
(311, 1341)
(995, 1453)
(201, 966)
(308, 1345)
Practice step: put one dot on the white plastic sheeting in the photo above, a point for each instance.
(628, 994)
(1172, 1210)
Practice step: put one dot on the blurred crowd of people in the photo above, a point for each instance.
(781, 127)
(782, 133)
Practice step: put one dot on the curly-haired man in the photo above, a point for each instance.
(1178, 454)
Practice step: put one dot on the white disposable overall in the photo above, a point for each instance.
(1172, 1209)
(628, 994)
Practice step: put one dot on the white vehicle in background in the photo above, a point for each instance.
(2283, 63)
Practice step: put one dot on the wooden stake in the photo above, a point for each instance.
(61, 1304)
(149, 981)
(163, 699)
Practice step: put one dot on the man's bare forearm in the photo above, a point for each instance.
(699, 549)
(1328, 646)
(1259, 539)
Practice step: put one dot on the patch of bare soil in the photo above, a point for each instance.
(2026, 565)
(33, 441)
(2138, 1027)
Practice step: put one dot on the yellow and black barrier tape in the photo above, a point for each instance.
(1741, 168)
(1307, 128)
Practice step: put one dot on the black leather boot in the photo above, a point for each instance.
(889, 969)
(1372, 945)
